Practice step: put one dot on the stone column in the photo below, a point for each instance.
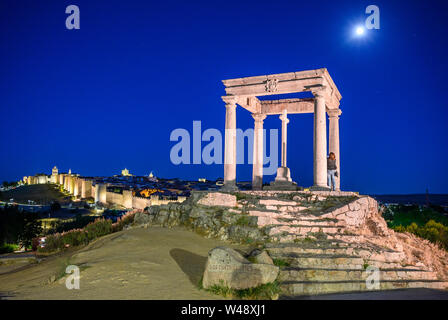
(285, 121)
(333, 141)
(320, 141)
(230, 145)
(257, 165)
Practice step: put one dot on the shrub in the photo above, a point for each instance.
(125, 219)
(406, 215)
(242, 221)
(7, 248)
(98, 228)
(53, 242)
(432, 231)
(75, 238)
(78, 223)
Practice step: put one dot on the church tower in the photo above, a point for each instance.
(54, 175)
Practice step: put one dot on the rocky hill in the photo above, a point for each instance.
(327, 242)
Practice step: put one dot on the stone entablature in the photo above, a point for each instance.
(292, 106)
(290, 82)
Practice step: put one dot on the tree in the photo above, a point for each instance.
(18, 226)
(31, 228)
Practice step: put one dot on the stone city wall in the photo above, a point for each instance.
(84, 188)
(155, 201)
(128, 201)
(140, 203)
(114, 198)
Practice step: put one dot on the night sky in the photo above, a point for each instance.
(107, 96)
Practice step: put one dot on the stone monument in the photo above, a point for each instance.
(245, 92)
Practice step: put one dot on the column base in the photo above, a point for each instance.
(319, 188)
(282, 186)
(229, 187)
(257, 183)
(283, 175)
(283, 181)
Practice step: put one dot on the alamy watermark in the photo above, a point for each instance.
(373, 278)
(373, 20)
(72, 281)
(73, 21)
(189, 148)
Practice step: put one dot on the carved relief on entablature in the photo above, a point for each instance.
(271, 85)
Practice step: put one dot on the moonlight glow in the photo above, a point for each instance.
(359, 31)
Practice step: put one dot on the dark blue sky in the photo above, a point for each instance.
(107, 96)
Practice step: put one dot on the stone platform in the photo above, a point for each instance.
(327, 240)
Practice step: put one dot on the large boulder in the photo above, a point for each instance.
(227, 267)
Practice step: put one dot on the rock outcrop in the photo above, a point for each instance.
(327, 241)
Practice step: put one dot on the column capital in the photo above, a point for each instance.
(284, 117)
(258, 117)
(319, 92)
(334, 113)
(229, 100)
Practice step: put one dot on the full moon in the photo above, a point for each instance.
(359, 31)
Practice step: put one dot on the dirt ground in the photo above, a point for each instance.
(153, 263)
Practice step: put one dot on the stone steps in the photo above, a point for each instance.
(312, 274)
(301, 232)
(298, 288)
(329, 262)
(322, 250)
(335, 265)
(286, 236)
(309, 244)
(334, 261)
(309, 222)
(324, 244)
(376, 254)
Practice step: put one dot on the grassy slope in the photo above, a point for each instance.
(41, 193)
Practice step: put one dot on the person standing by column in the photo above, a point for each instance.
(331, 171)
